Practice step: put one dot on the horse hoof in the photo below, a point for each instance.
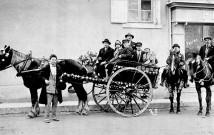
(207, 114)
(199, 113)
(178, 112)
(87, 108)
(84, 112)
(30, 115)
(78, 111)
(171, 111)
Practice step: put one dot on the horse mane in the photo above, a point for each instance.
(20, 61)
(17, 56)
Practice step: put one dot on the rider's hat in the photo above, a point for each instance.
(106, 41)
(129, 34)
(138, 44)
(175, 45)
(52, 55)
(208, 38)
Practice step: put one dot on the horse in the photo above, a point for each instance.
(25, 63)
(175, 82)
(71, 66)
(21, 62)
(201, 72)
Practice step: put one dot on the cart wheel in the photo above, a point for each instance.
(99, 96)
(129, 91)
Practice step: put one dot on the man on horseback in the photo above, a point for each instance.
(176, 76)
(206, 52)
(179, 63)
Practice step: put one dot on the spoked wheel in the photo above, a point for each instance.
(129, 91)
(99, 96)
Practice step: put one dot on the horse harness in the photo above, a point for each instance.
(29, 57)
(202, 80)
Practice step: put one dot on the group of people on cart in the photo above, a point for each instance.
(125, 50)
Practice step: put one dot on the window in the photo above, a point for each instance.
(140, 11)
(136, 13)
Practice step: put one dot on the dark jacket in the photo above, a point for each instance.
(178, 60)
(105, 55)
(135, 57)
(210, 53)
(132, 44)
(45, 73)
(126, 53)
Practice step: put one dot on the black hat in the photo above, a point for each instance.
(129, 34)
(208, 38)
(52, 55)
(138, 44)
(125, 40)
(107, 41)
(175, 45)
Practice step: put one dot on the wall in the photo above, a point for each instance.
(68, 28)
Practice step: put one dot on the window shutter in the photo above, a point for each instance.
(119, 10)
(157, 11)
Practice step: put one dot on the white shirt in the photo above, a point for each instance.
(53, 69)
(138, 52)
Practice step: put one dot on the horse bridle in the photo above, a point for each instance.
(197, 72)
(23, 66)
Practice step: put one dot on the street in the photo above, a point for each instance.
(188, 123)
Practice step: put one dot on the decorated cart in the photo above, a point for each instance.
(128, 91)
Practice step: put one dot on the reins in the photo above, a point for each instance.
(201, 80)
(28, 57)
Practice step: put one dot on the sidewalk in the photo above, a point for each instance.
(189, 98)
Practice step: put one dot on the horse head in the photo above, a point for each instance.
(196, 63)
(5, 57)
(199, 69)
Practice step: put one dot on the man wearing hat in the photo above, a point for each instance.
(124, 54)
(129, 36)
(138, 54)
(105, 54)
(207, 51)
(179, 62)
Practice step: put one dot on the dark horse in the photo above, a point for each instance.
(175, 82)
(21, 62)
(70, 66)
(201, 72)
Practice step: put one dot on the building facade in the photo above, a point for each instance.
(70, 28)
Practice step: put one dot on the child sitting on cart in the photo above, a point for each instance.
(149, 57)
